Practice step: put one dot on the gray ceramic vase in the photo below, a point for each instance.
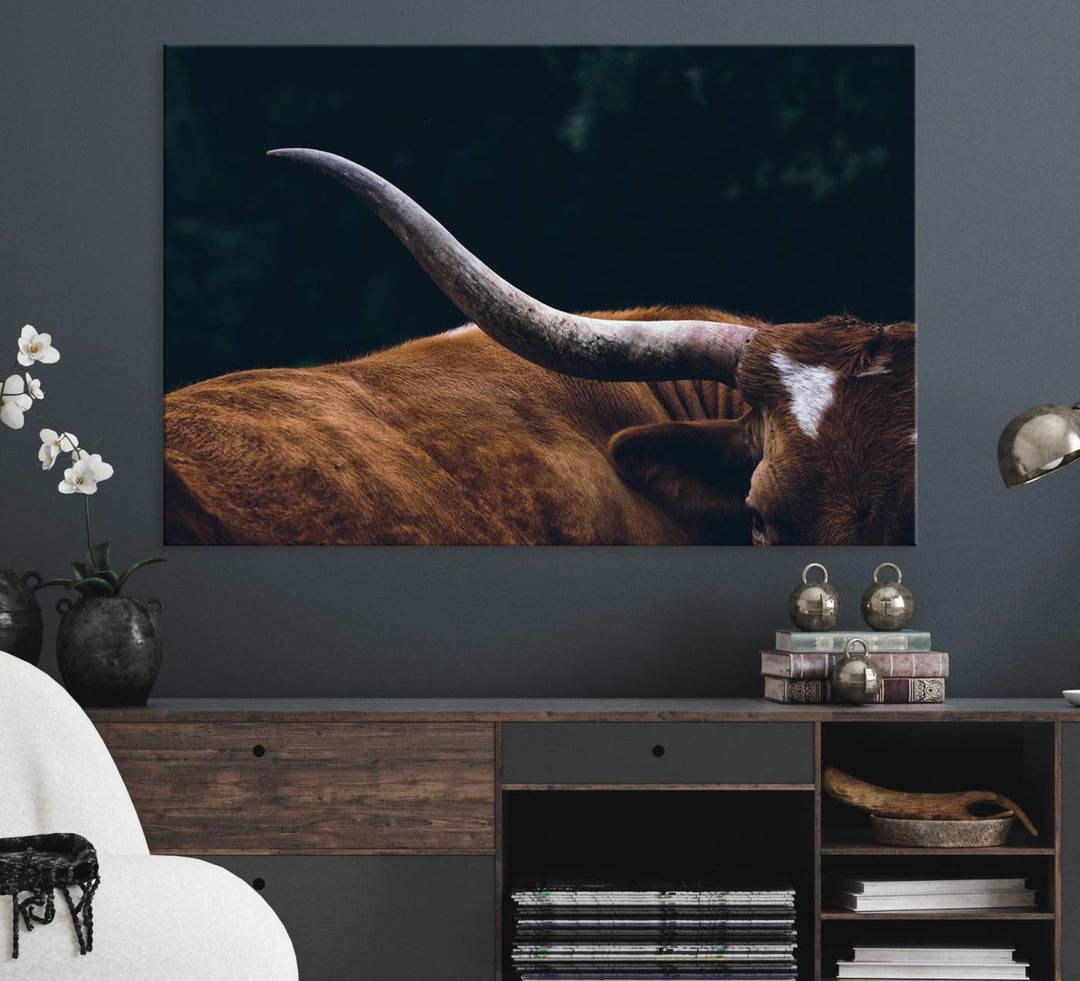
(109, 649)
(21, 627)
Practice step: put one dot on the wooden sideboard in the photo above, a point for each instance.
(386, 832)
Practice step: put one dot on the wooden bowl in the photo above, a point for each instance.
(977, 833)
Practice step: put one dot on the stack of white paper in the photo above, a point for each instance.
(902, 894)
(933, 964)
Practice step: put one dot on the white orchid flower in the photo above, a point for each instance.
(33, 387)
(36, 347)
(53, 444)
(14, 401)
(83, 476)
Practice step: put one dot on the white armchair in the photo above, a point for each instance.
(164, 918)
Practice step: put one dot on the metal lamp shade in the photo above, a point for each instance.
(1037, 442)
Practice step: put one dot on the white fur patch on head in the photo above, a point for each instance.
(463, 329)
(810, 388)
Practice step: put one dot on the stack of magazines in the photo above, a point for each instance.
(568, 930)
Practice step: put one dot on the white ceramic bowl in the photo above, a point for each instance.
(1072, 696)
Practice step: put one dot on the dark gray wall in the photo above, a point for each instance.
(995, 576)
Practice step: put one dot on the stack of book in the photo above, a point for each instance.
(904, 893)
(569, 930)
(940, 963)
(797, 670)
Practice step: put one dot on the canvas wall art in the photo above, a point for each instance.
(540, 296)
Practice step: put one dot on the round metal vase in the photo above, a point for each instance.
(21, 628)
(887, 605)
(109, 649)
(856, 680)
(814, 605)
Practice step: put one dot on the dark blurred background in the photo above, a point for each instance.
(774, 181)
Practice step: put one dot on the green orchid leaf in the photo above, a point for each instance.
(79, 568)
(66, 583)
(134, 568)
(94, 587)
(110, 577)
(97, 558)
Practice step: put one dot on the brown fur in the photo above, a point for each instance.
(455, 440)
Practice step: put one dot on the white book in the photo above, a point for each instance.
(900, 886)
(936, 955)
(934, 972)
(833, 641)
(883, 904)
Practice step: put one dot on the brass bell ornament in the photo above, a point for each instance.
(887, 605)
(814, 605)
(855, 679)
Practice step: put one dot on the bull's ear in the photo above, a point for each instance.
(689, 468)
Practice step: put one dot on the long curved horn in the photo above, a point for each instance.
(611, 350)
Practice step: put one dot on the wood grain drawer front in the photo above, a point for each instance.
(210, 788)
(381, 918)
(691, 753)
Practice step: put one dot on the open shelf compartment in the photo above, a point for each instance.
(700, 834)
(1018, 760)
(1033, 939)
(1013, 759)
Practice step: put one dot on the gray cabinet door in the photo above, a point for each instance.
(381, 917)
(658, 753)
(1070, 850)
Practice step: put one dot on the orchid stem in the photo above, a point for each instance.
(89, 547)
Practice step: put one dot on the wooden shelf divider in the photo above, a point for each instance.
(1003, 913)
(859, 841)
(803, 787)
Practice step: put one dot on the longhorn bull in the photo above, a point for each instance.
(530, 425)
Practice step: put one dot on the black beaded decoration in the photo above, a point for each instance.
(40, 864)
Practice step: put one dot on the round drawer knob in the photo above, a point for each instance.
(258, 750)
(658, 751)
